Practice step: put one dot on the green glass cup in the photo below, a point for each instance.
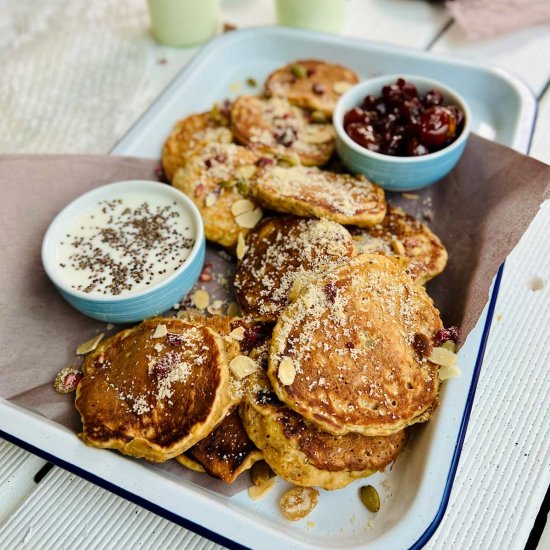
(315, 15)
(184, 23)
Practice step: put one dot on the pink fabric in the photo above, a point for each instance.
(486, 18)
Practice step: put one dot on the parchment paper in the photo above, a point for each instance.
(479, 211)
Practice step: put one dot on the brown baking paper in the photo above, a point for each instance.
(479, 211)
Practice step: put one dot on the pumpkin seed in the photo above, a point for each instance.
(370, 498)
(299, 71)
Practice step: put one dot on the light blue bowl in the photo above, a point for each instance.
(134, 306)
(398, 173)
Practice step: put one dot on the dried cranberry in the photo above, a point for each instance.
(437, 125)
(445, 334)
(318, 88)
(355, 115)
(331, 291)
(410, 110)
(160, 371)
(252, 337)
(350, 345)
(408, 88)
(72, 379)
(173, 339)
(208, 163)
(265, 161)
(364, 136)
(310, 72)
(286, 136)
(433, 97)
(393, 95)
(221, 158)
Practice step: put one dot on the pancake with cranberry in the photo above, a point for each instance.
(226, 452)
(281, 253)
(312, 84)
(191, 134)
(402, 234)
(304, 455)
(276, 127)
(350, 354)
(154, 390)
(313, 193)
(211, 178)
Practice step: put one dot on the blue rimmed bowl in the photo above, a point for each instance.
(398, 173)
(133, 306)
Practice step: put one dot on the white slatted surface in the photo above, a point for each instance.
(490, 506)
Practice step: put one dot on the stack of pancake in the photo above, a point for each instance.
(333, 356)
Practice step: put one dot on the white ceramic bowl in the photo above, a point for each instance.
(133, 306)
(398, 173)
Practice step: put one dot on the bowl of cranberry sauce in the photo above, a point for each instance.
(401, 132)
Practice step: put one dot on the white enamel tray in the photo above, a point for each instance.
(415, 491)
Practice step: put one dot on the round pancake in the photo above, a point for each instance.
(302, 454)
(226, 452)
(210, 179)
(280, 251)
(350, 354)
(312, 84)
(402, 234)
(310, 192)
(190, 134)
(154, 390)
(278, 128)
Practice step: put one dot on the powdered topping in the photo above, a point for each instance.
(283, 252)
(351, 336)
(339, 194)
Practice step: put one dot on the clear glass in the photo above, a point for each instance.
(316, 15)
(183, 23)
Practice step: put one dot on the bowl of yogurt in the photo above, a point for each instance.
(125, 251)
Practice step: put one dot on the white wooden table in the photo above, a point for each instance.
(38, 41)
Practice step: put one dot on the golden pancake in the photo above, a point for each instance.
(312, 84)
(304, 455)
(276, 127)
(190, 134)
(210, 178)
(350, 354)
(154, 390)
(226, 452)
(310, 192)
(402, 234)
(282, 252)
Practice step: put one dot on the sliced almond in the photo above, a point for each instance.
(89, 345)
(233, 310)
(215, 307)
(249, 219)
(242, 366)
(237, 334)
(245, 172)
(410, 196)
(443, 357)
(211, 199)
(160, 331)
(341, 87)
(398, 247)
(241, 206)
(295, 289)
(241, 246)
(318, 134)
(158, 347)
(201, 299)
(256, 492)
(287, 371)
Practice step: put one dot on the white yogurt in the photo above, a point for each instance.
(126, 244)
